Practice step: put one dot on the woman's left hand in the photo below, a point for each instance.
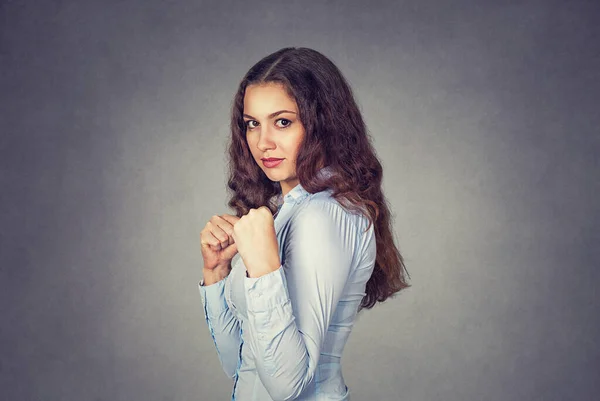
(254, 234)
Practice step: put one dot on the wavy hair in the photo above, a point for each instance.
(335, 136)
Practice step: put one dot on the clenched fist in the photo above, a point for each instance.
(216, 241)
(256, 240)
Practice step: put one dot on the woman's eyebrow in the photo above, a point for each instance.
(272, 115)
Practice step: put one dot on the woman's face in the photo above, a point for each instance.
(273, 130)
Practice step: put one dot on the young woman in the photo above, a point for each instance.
(312, 230)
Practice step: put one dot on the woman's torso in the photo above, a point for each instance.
(328, 383)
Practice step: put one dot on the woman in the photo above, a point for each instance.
(281, 314)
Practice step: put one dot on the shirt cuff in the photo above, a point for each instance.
(267, 291)
(213, 297)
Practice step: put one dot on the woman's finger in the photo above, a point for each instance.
(215, 243)
(219, 229)
(219, 232)
(224, 223)
(230, 219)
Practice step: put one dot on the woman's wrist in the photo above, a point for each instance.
(215, 275)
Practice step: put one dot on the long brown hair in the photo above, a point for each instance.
(335, 136)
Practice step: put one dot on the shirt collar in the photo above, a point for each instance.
(298, 193)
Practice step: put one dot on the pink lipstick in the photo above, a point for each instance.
(271, 162)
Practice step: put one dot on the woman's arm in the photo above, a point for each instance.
(289, 309)
(224, 327)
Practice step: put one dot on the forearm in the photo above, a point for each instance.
(286, 358)
(224, 326)
(226, 334)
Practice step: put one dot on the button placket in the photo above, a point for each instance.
(281, 214)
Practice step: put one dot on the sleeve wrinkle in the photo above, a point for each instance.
(224, 327)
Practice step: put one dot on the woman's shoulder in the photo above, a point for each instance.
(326, 206)
(322, 200)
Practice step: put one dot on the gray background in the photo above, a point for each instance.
(114, 119)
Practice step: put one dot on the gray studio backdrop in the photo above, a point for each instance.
(113, 121)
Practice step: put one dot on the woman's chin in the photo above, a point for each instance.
(272, 176)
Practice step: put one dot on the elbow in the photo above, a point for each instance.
(230, 371)
(229, 365)
(282, 387)
(283, 392)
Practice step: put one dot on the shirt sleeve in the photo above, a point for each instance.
(289, 310)
(224, 326)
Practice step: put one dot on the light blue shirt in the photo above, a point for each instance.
(281, 336)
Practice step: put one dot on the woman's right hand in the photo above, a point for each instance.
(216, 241)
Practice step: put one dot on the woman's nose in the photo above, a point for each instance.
(265, 140)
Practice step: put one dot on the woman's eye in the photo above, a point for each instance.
(283, 122)
(250, 124)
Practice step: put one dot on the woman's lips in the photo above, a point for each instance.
(271, 163)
